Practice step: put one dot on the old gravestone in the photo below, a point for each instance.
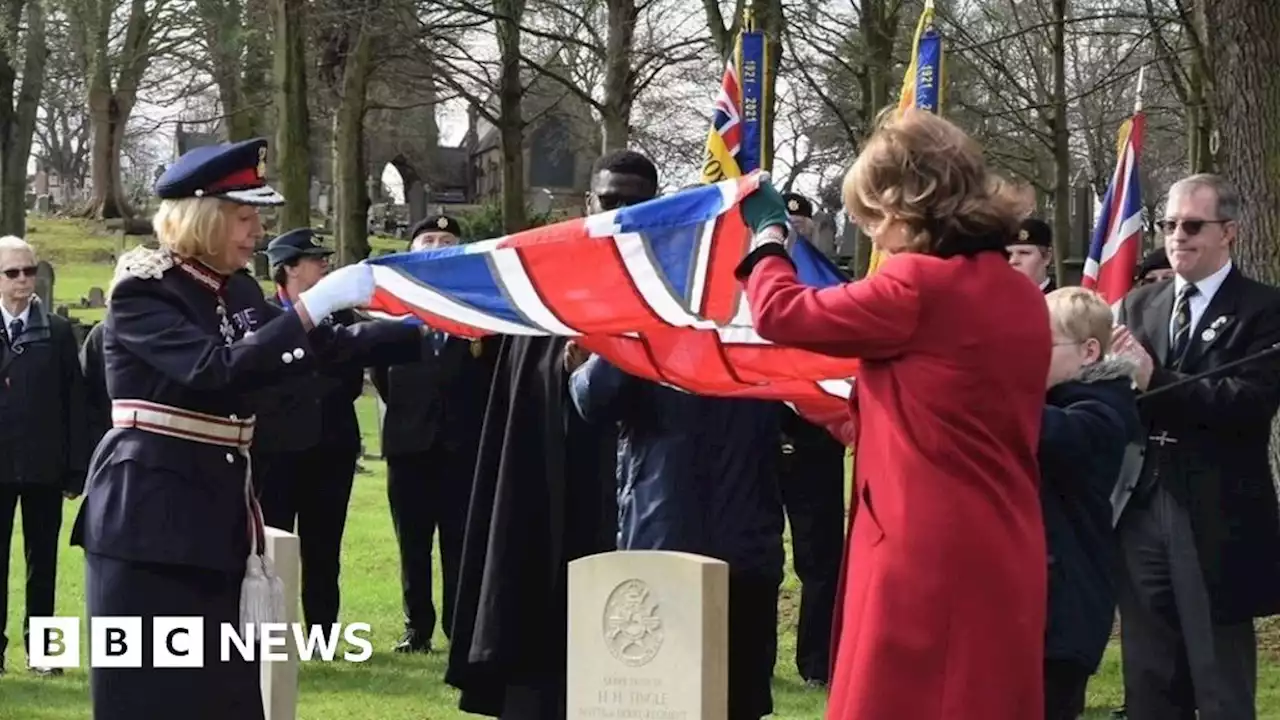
(44, 283)
(648, 637)
(97, 298)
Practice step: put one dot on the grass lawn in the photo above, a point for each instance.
(388, 686)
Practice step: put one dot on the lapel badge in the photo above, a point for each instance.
(476, 348)
(1222, 320)
(1208, 335)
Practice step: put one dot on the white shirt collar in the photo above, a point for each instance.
(24, 316)
(1044, 283)
(1208, 287)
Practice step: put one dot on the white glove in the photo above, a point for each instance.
(347, 287)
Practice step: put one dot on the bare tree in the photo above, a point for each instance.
(62, 127)
(114, 69)
(293, 116)
(22, 56)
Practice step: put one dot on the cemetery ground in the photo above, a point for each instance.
(388, 686)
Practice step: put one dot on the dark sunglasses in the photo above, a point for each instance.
(13, 273)
(1191, 227)
(611, 201)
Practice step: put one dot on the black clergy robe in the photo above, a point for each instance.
(544, 494)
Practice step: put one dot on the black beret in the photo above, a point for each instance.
(1034, 231)
(436, 223)
(798, 205)
(231, 171)
(1155, 260)
(295, 244)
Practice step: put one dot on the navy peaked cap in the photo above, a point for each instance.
(232, 171)
(295, 244)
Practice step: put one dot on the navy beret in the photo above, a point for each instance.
(798, 205)
(1034, 231)
(231, 171)
(1157, 259)
(295, 244)
(436, 223)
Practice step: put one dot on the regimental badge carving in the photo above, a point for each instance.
(632, 625)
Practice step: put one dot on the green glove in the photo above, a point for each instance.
(763, 208)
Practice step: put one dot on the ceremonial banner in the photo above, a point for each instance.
(1116, 246)
(736, 142)
(648, 287)
(922, 83)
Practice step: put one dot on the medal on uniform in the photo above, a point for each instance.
(476, 348)
(224, 324)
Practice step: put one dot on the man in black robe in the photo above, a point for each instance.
(543, 496)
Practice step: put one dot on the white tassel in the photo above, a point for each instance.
(261, 594)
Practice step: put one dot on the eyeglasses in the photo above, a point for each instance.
(1191, 227)
(612, 201)
(13, 273)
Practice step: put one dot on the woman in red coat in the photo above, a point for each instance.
(943, 612)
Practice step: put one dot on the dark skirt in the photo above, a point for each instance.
(217, 691)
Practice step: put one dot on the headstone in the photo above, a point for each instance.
(97, 298)
(648, 637)
(279, 680)
(323, 204)
(44, 282)
(44, 203)
(41, 184)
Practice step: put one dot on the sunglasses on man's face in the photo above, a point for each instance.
(13, 273)
(1190, 227)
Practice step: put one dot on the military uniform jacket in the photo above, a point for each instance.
(317, 408)
(439, 401)
(154, 498)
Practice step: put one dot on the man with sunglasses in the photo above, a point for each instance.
(1198, 522)
(43, 435)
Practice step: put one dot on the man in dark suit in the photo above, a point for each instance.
(43, 443)
(1198, 521)
(1032, 253)
(307, 437)
(430, 437)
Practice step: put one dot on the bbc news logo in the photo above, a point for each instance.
(179, 642)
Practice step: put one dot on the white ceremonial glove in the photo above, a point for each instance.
(347, 287)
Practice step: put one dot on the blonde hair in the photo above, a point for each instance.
(1079, 314)
(191, 227)
(923, 170)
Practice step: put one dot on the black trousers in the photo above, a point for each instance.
(753, 644)
(41, 522)
(427, 492)
(217, 691)
(1178, 663)
(312, 488)
(811, 480)
(1065, 683)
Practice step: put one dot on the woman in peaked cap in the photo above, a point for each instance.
(169, 524)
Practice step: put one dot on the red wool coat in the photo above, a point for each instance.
(943, 609)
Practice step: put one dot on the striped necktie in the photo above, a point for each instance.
(1181, 324)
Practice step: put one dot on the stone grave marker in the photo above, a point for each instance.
(44, 282)
(648, 637)
(97, 298)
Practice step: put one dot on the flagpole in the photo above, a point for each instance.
(1142, 76)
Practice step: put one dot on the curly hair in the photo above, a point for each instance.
(922, 170)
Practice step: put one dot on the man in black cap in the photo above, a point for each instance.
(430, 439)
(800, 214)
(1032, 253)
(435, 231)
(1153, 268)
(308, 439)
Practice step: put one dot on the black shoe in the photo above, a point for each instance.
(412, 642)
(815, 683)
(45, 671)
(1119, 713)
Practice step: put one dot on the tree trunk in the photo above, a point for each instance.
(109, 116)
(18, 119)
(351, 192)
(511, 120)
(1199, 122)
(619, 78)
(879, 29)
(293, 120)
(1061, 146)
(1246, 109)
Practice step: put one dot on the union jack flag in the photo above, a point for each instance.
(649, 287)
(1117, 238)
